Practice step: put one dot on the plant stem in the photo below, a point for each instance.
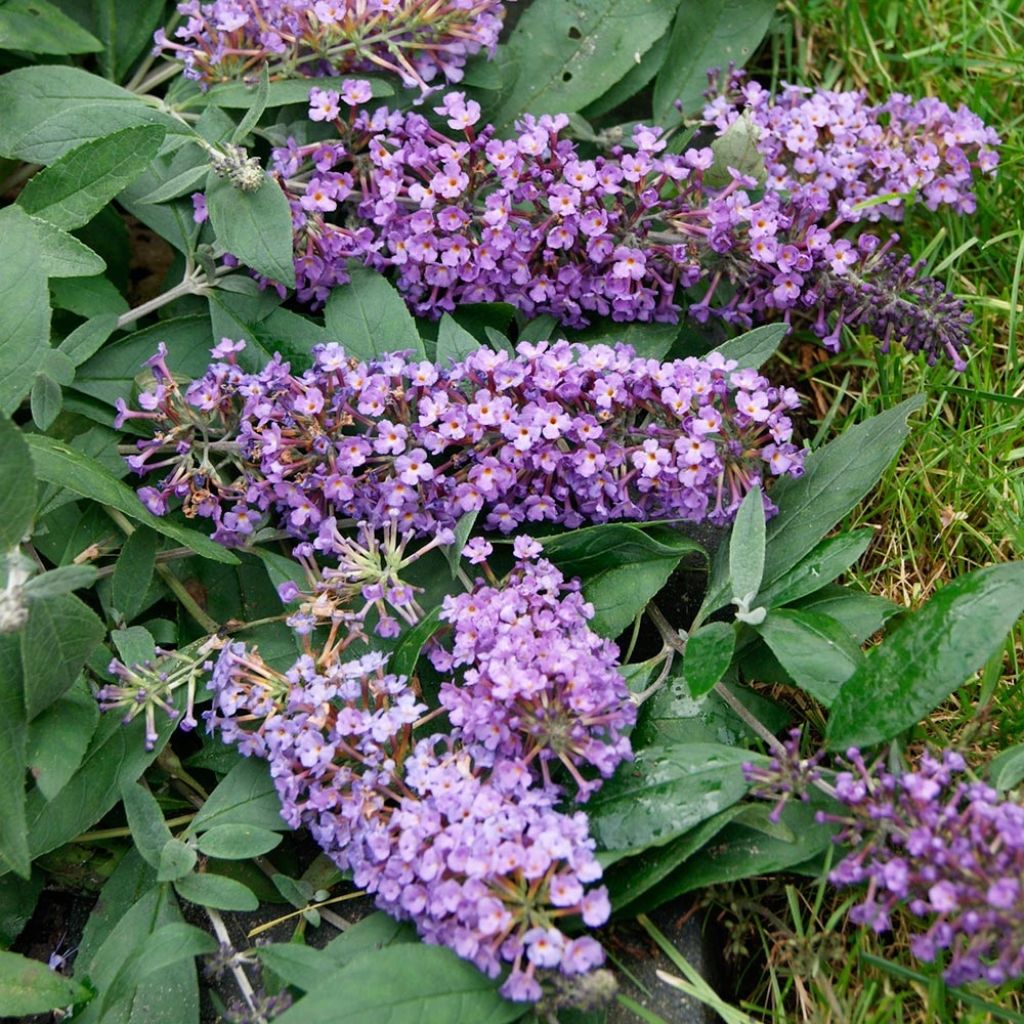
(260, 928)
(241, 978)
(124, 831)
(171, 555)
(140, 86)
(17, 176)
(672, 638)
(193, 284)
(178, 588)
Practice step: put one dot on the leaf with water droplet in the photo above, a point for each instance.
(666, 791)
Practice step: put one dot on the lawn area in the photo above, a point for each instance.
(955, 498)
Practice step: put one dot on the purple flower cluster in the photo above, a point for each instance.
(461, 215)
(837, 152)
(554, 433)
(363, 568)
(144, 688)
(458, 832)
(417, 40)
(786, 775)
(539, 690)
(950, 850)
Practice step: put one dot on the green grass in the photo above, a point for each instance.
(954, 502)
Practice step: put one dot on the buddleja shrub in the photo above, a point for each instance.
(432, 406)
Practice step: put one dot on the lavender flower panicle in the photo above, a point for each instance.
(786, 775)
(837, 151)
(556, 433)
(461, 215)
(539, 689)
(417, 40)
(457, 832)
(949, 851)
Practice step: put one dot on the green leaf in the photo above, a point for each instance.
(706, 34)
(860, 614)
(133, 572)
(17, 486)
(134, 644)
(295, 964)
(125, 28)
(18, 899)
(815, 650)
(652, 341)
(1006, 770)
(149, 832)
(410, 983)
(256, 108)
(62, 580)
(24, 306)
(63, 255)
(116, 754)
(71, 191)
(38, 27)
(49, 110)
(242, 317)
(632, 82)
(622, 567)
(67, 630)
(59, 737)
(14, 848)
(112, 372)
(665, 792)
(407, 652)
(45, 401)
(740, 851)
(927, 657)
(167, 946)
(58, 464)
(29, 986)
(88, 338)
(631, 877)
(245, 796)
(370, 318)
(746, 548)
(115, 952)
(237, 842)
(836, 477)
(454, 343)
(181, 183)
(256, 227)
(176, 860)
(831, 557)
(755, 347)
(216, 891)
(371, 933)
(87, 297)
(709, 653)
(453, 551)
(567, 53)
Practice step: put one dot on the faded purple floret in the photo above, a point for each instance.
(555, 433)
(420, 41)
